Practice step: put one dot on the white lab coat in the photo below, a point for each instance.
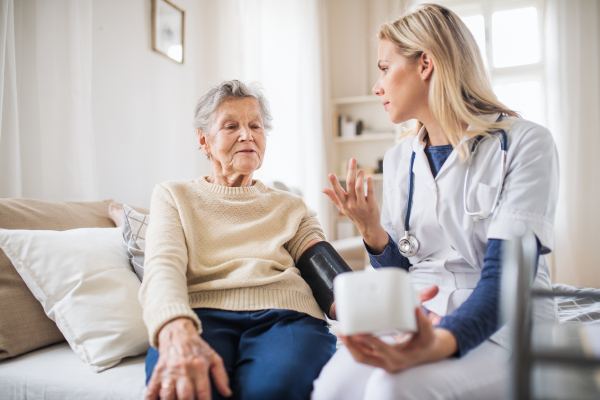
(452, 248)
(452, 245)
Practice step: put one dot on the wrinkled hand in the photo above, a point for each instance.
(184, 364)
(426, 345)
(359, 206)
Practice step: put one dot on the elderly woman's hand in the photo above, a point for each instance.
(359, 206)
(185, 364)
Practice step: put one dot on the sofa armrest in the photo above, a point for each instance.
(353, 251)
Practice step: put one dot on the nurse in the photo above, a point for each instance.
(432, 71)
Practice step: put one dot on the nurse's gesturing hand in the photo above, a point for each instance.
(359, 206)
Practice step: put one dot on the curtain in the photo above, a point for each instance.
(46, 138)
(573, 81)
(279, 44)
(10, 160)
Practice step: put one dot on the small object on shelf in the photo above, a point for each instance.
(369, 171)
(379, 169)
(348, 128)
(359, 127)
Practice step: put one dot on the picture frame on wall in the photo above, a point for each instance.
(168, 30)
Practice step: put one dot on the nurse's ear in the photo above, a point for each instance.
(426, 66)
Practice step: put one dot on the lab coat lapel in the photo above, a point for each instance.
(452, 158)
(421, 168)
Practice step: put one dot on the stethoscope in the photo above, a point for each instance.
(408, 244)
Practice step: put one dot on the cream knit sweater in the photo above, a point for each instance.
(230, 248)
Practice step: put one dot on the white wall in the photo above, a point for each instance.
(352, 26)
(142, 102)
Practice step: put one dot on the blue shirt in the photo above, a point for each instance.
(437, 156)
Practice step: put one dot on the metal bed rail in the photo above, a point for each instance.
(519, 266)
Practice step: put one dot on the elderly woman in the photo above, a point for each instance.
(222, 298)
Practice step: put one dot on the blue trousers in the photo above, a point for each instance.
(268, 354)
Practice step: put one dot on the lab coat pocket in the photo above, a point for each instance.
(485, 197)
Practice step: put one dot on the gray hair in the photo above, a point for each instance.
(210, 102)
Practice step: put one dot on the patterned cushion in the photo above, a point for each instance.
(134, 238)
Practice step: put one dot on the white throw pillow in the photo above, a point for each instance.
(85, 283)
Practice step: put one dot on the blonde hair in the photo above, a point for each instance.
(460, 89)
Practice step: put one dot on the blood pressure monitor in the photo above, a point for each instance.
(379, 302)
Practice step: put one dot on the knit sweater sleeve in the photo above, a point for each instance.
(164, 292)
(309, 229)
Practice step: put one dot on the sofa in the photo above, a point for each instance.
(35, 360)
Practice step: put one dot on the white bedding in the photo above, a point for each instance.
(56, 373)
(577, 310)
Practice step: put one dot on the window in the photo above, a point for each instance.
(509, 34)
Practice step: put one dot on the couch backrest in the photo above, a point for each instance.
(23, 324)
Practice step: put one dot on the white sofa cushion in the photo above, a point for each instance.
(56, 373)
(84, 281)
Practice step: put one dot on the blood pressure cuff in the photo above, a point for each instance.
(318, 266)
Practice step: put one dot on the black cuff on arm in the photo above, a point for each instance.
(318, 266)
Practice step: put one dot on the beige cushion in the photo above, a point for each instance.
(115, 212)
(23, 324)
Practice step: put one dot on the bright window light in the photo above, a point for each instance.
(524, 98)
(515, 37)
(476, 25)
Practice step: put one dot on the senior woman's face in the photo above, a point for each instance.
(237, 140)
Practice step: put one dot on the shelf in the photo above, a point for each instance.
(356, 99)
(375, 177)
(366, 137)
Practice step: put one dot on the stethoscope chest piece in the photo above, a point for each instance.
(408, 245)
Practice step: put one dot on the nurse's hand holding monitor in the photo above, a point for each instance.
(453, 187)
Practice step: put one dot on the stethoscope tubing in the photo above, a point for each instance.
(482, 214)
(410, 193)
(411, 241)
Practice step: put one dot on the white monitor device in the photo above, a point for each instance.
(381, 302)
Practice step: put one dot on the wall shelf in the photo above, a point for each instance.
(378, 136)
(366, 137)
(356, 99)
(375, 177)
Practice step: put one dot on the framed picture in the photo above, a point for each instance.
(167, 29)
